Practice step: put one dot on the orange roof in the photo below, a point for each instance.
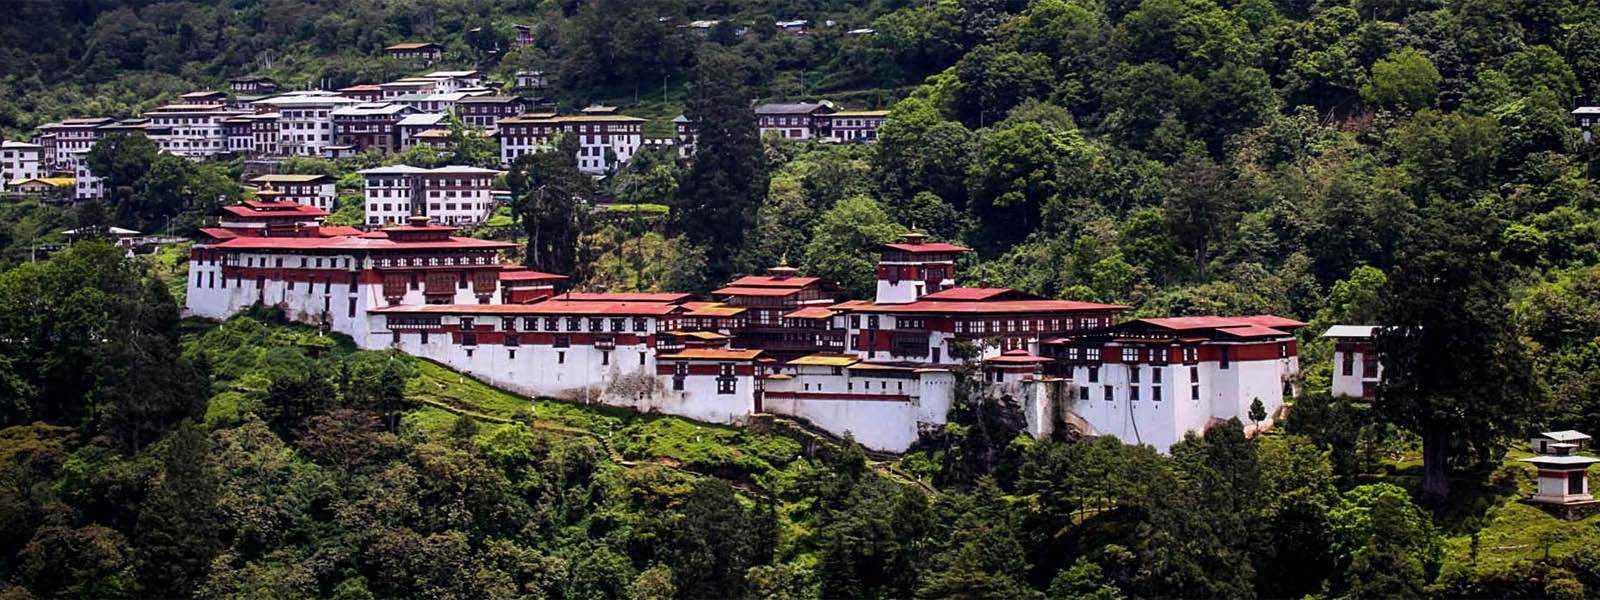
(712, 354)
(412, 46)
(699, 335)
(810, 312)
(1018, 357)
(826, 360)
(274, 209)
(714, 309)
(966, 293)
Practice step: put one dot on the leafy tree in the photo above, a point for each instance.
(841, 247)
(1084, 580)
(715, 543)
(1455, 371)
(1258, 413)
(1386, 546)
(122, 160)
(1403, 80)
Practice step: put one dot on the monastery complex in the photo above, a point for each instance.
(883, 370)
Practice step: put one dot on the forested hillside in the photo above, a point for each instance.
(1381, 162)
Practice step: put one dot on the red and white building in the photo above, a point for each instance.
(795, 121)
(370, 125)
(189, 130)
(882, 371)
(1356, 371)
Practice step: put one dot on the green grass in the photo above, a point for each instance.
(658, 209)
(1511, 531)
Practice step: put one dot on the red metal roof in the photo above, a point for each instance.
(547, 307)
(219, 233)
(275, 210)
(365, 242)
(525, 275)
(337, 231)
(712, 354)
(756, 291)
(1252, 331)
(966, 293)
(1216, 322)
(662, 297)
(927, 247)
(978, 307)
(770, 281)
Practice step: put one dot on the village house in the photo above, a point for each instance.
(1356, 371)
(415, 124)
(20, 161)
(193, 131)
(362, 93)
(408, 86)
(485, 111)
(452, 195)
(371, 125)
(856, 125)
(66, 142)
(50, 189)
(532, 80)
(203, 97)
(253, 85)
(796, 121)
(314, 190)
(605, 140)
(416, 53)
(305, 120)
(447, 82)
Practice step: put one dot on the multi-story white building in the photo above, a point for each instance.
(86, 185)
(455, 81)
(1356, 371)
(453, 195)
(192, 131)
(605, 141)
(305, 120)
(67, 141)
(797, 121)
(20, 161)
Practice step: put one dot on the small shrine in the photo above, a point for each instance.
(1563, 481)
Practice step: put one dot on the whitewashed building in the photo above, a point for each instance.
(305, 120)
(452, 195)
(1356, 371)
(20, 161)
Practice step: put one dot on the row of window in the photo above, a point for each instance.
(573, 324)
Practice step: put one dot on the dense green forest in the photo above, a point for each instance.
(1386, 162)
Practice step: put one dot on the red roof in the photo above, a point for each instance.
(337, 231)
(547, 307)
(967, 294)
(927, 247)
(755, 291)
(712, 354)
(526, 275)
(978, 307)
(662, 297)
(274, 210)
(374, 241)
(1216, 322)
(770, 281)
(219, 233)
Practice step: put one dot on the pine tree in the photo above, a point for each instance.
(178, 525)
(724, 186)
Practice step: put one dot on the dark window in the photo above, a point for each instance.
(561, 358)
(605, 358)
(1106, 389)
(618, 323)
(1155, 376)
(352, 310)
(562, 341)
(1222, 361)
(574, 323)
(641, 359)
(511, 340)
(1083, 393)
(1155, 393)
(726, 385)
(552, 324)
(424, 336)
(1094, 374)
(1349, 360)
